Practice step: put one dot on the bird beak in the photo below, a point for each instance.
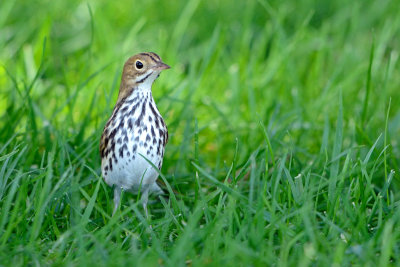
(162, 66)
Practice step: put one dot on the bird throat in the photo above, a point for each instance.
(130, 85)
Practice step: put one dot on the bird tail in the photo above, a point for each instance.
(155, 189)
(160, 188)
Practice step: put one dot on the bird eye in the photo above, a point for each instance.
(139, 64)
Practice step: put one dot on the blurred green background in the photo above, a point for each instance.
(318, 80)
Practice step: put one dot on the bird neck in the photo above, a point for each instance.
(141, 83)
(133, 89)
(140, 93)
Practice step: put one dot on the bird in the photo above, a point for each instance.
(136, 133)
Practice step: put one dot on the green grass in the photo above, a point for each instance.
(284, 122)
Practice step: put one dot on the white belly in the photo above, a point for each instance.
(132, 174)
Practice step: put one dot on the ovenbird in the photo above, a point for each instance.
(135, 133)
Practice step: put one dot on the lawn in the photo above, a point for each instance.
(284, 124)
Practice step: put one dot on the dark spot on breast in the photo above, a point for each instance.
(132, 111)
(110, 164)
(153, 133)
(112, 134)
(125, 109)
(148, 138)
(104, 146)
(150, 119)
(121, 150)
(119, 141)
(111, 148)
(156, 122)
(134, 149)
(130, 124)
(141, 115)
(153, 110)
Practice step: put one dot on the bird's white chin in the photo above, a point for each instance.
(146, 80)
(153, 77)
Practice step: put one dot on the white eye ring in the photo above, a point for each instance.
(138, 64)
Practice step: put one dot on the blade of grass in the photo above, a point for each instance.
(337, 146)
(368, 84)
(385, 145)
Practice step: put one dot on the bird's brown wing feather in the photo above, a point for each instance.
(103, 145)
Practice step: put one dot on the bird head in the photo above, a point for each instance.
(140, 70)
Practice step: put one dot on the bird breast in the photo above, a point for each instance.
(135, 131)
